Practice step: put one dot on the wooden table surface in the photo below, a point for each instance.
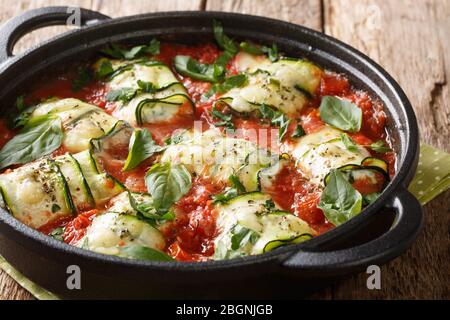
(410, 38)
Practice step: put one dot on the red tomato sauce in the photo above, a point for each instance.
(6, 134)
(190, 236)
(192, 233)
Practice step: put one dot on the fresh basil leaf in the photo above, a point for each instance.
(236, 81)
(380, 147)
(187, 66)
(341, 113)
(236, 184)
(105, 69)
(348, 142)
(272, 52)
(147, 87)
(299, 132)
(83, 77)
(266, 112)
(236, 189)
(57, 234)
(118, 52)
(147, 212)
(41, 136)
(369, 198)
(153, 47)
(229, 194)
(141, 147)
(55, 208)
(340, 201)
(122, 94)
(223, 40)
(251, 48)
(277, 118)
(242, 236)
(22, 119)
(269, 205)
(176, 138)
(226, 119)
(144, 253)
(20, 103)
(282, 122)
(167, 184)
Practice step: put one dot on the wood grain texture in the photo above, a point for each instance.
(112, 8)
(9, 289)
(303, 12)
(410, 39)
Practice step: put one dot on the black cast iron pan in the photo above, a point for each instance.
(285, 272)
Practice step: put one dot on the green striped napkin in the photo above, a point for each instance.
(431, 179)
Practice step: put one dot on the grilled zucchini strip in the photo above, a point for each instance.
(247, 227)
(215, 156)
(285, 85)
(36, 193)
(165, 100)
(81, 121)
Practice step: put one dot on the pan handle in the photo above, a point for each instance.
(31, 20)
(407, 225)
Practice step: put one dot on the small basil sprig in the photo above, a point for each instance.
(348, 142)
(380, 147)
(119, 52)
(187, 66)
(341, 113)
(141, 147)
(235, 81)
(167, 183)
(39, 137)
(340, 201)
(83, 77)
(146, 210)
(277, 118)
(226, 119)
(144, 253)
(272, 52)
(123, 94)
(299, 132)
(236, 189)
(127, 94)
(224, 42)
(57, 234)
(20, 103)
(24, 115)
(105, 69)
(241, 236)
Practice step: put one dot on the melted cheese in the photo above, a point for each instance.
(249, 211)
(112, 231)
(217, 157)
(318, 153)
(81, 121)
(35, 193)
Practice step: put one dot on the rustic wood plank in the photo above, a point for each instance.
(410, 39)
(112, 8)
(413, 50)
(9, 289)
(303, 12)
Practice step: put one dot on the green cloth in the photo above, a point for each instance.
(432, 178)
(432, 175)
